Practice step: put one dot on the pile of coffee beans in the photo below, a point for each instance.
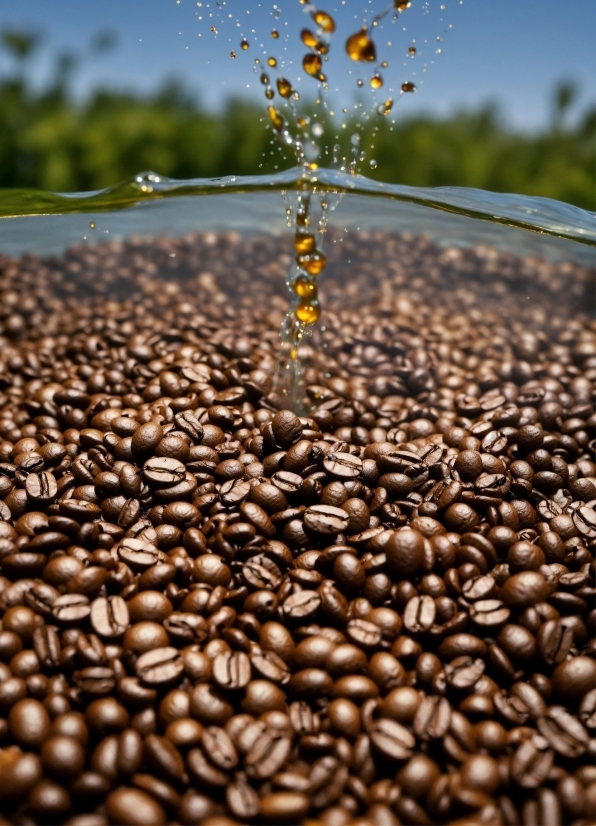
(214, 611)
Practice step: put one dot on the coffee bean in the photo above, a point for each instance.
(563, 731)
(242, 800)
(432, 718)
(302, 604)
(326, 520)
(267, 754)
(342, 465)
(231, 670)
(138, 554)
(160, 666)
(392, 740)
(419, 614)
(109, 616)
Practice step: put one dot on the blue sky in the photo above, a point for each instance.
(512, 51)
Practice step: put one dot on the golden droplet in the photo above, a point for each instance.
(360, 47)
(402, 5)
(384, 64)
(304, 243)
(303, 218)
(244, 45)
(308, 311)
(376, 81)
(359, 82)
(325, 21)
(213, 29)
(311, 64)
(302, 122)
(309, 39)
(269, 93)
(272, 61)
(91, 224)
(385, 108)
(305, 287)
(276, 118)
(265, 79)
(408, 86)
(412, 50)
(232, 55)
(313, 264)
(274, 34)
(284, 87)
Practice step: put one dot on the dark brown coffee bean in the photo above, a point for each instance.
(342, 465)
(432, 718)
(563, 731)
(160, 666)
(391, 739)
(109, 616)
(139, 555)
(419, 614)
(267, 754)
(325, 520)
(242, 800)
(231, 670)
(302, 604)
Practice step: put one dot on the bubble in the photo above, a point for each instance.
(372, 163)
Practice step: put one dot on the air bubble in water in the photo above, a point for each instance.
(372, 163)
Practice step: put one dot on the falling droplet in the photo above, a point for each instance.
(91, 224)
(271, 61)
(408, 86)
(384, 64)
(232, 55)
(307, 311)
(317, 130)
(325, 21)
(265, 79)
(284, 87)
(359, 82)
(360, 47)
(376, 81)
(276, 118)
(402, 5)
(213, 29)
(269, 93)
(274, 34)
(372, 163)
(385, 108)
(244, 45)
(311, 63)
(412, 50)
(305, 287)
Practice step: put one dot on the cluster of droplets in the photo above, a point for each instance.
(301, 134)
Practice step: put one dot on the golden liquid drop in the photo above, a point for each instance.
(304, 243)
(304, 287)
(359, 82)
(269, 93)
(302, 122)
(412, 50)
(313, 264)
(376, 81)
(385, 108)
(325, 21)
(307, 311)
(265, 79)
(408, 86)
(384, 64)
(276, 118)
(284, 87)
(402, 5)
(309, 39)
(303, 218)
(91, 224)
(311, 63)
(232, 55)
(360, 47)
(272, 61)
(274, 34)
(244, 45)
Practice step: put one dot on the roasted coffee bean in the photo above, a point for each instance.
(212, 608)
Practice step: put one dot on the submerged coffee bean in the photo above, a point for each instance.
(214, 609)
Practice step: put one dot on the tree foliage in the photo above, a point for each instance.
(51, 141)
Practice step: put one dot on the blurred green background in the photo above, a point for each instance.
(50, 140)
